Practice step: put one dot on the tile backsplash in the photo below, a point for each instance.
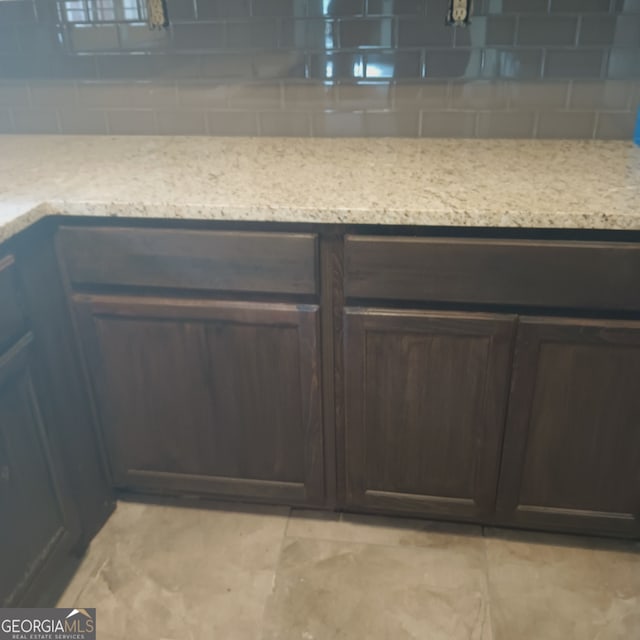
(522, 68)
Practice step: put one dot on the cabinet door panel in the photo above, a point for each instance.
(425, 400)
(208, 396)
(572, 445)
(37, 522)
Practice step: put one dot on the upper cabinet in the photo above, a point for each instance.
(425, 399)
(572, 447)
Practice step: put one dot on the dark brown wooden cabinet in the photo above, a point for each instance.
(208, 396)
(572, 443)
(39, 523)
(425, 400)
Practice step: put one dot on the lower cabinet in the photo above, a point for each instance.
(39, 526)
(425, 402)
(202, 396)
(572, 446)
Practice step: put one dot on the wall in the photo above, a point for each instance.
(524, 68)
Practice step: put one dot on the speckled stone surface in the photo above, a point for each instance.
(501, 183)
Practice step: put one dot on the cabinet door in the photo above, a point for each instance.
(215, 397)
(425, 401)
(38, 525)
(572, 444)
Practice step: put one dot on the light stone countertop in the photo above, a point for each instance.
(497, 183)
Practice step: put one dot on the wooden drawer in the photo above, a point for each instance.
(190, 259)
(13, 322)
(587, 275)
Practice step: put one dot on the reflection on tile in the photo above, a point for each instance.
(540, 587)
(329, 589)
(171, 572)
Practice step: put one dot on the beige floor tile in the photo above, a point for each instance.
(349, 527)
(545, 587)
(328, 590)
(168, 572)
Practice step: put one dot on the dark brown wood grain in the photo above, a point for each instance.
(62, 385)
(209, 396)
(12, 316)
(572, 443)
(187, 259)
(586, 275)
(426, 395)
(39, 522)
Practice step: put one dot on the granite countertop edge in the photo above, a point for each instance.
(559, 185)
(31, 214)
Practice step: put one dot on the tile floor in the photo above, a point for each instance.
(228, 572)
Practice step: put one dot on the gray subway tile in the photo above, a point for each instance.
(190, 36)
(627, 31)
(454, 63)
(131, 121)
(341, 8)
(566, 124)
(104, 94)
(624, 63)
(14, 93)
(500, 30)
(479, 95)
(6, 124)
(616, 125)
(393, 64)
(367, 32)
(207, 95)
(538, 95)
(361, 97)
(262, 34)
(509, 124)
(232, 123)
(580, 6)
(52, 94)
(402, 124)
(93, 37)
(181, 9)
(255, 96)
(339, 124)
(516, 64)
(181, 122)
(285, 123)
(83, 121)
(311, 97)
(597, 30)
(35, 120)
(547, 30)
(448, 124)
(432, 95)
(573, 63)
(520, 6)
(217, 9)
(607, 94)
(395, 7)
(308, 34)
(153, 94)
(424, 32)
(124, 66)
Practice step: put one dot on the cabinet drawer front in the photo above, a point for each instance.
(588, 275)
(189, 259)
(12, 318)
